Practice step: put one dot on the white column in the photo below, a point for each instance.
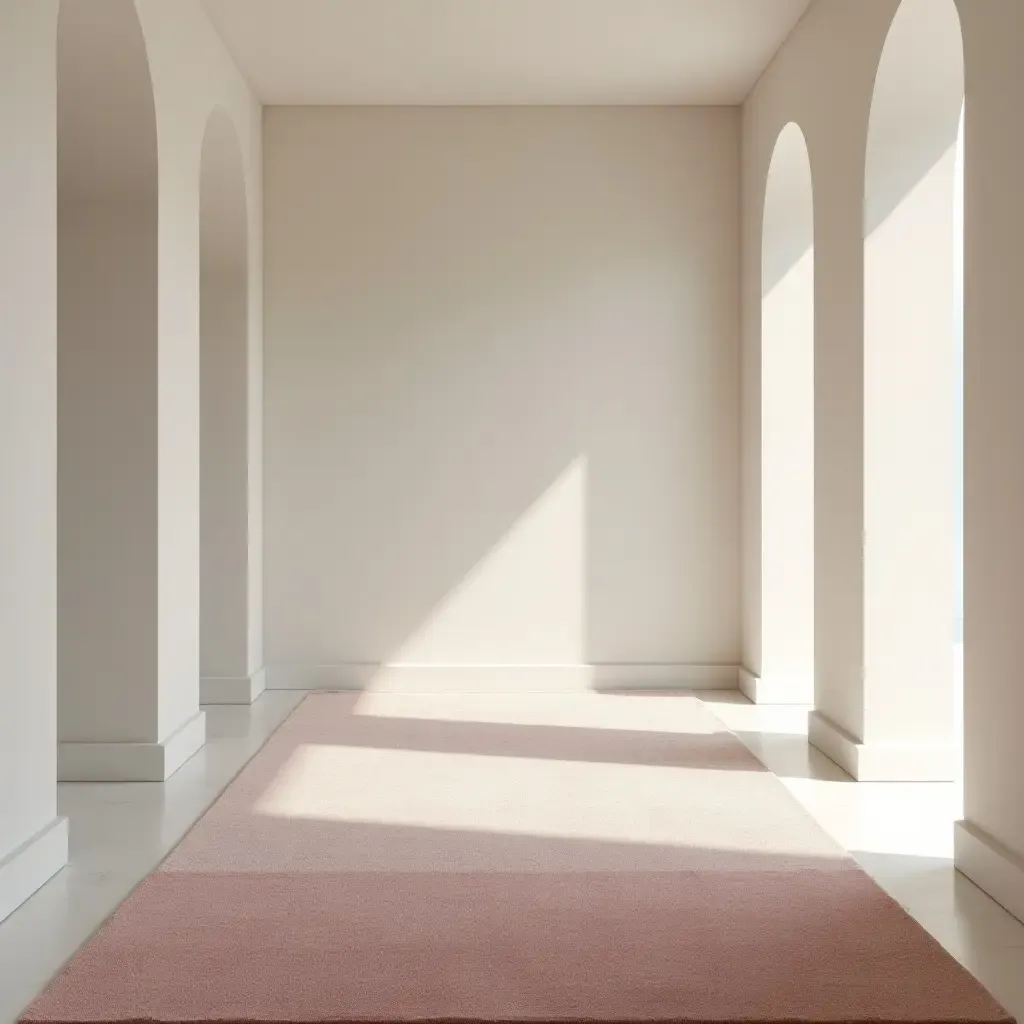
(33, 839)
(894, 719)
(902, 722)
(128, 383)
(990, 840)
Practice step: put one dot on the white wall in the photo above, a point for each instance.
(33, 843)
(224, 499)
(502, 402)
(107, 609)
(28, 452)
(184, 104)
(823, 78)
(158, 706)
(993, 469)
(778, 640)
(836, 44)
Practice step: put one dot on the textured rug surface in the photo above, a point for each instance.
(502, 859)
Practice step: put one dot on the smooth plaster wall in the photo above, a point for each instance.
(107, 522)
(28, 421)
(994, 421)
(822, 78)
(502, 386)
(836, 44)
(184, 103)
(225, 537)
(28, 377)
(779, 643)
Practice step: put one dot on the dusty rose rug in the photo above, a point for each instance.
(587, 858)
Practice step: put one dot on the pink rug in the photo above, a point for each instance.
(640, 867)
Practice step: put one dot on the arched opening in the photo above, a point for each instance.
(107, 386)
(226, 660)
(787, 426)
(912, 434)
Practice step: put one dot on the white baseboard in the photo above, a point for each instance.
(131, 762)
(878, 762)
(501, 678)
(780, 690)
(991, 866)
(232, 689)
(32, 864)
(664, 677)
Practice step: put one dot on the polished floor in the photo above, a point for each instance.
(901, 834)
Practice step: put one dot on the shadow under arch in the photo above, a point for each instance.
(911, 330)
(228, 652)
(107, 202)
(786, 615)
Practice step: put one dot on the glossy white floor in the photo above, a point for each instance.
(901, 834)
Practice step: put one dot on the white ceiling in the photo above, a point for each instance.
(496, 52)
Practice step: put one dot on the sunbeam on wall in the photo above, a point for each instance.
(910, 268)
(786, 663)
(528, 592)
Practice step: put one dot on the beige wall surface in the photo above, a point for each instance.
(823, 79)
(502, 402)
(28, 421)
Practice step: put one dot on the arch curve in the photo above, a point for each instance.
(911, 333)
(106, 110)
(786, 611)
(916, 103)
(107, 382)
(787, 226)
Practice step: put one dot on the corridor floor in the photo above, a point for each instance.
(900, 834)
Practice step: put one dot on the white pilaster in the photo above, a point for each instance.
(33, 840)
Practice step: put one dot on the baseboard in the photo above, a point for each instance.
(663, 677)
(232, 689)
(32, 864)
(992, 867)
(131, 762)
(501, 678)
(877, 762)
(780, 690)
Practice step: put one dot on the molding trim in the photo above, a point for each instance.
(480, 678)
(994, 868)
(776, 689)
(131, 762)
(881, 762)
(232, 689)
(31, 865)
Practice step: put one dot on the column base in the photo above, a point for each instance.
(991, 866)
(32, 864)
(131, 762)
(881, 762)
(776, 690)
(232, 689)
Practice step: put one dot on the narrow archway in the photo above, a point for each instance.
(226, 656)
(108, 694)
(786, 614)
(911, 270)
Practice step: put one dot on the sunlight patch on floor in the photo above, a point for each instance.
(631, 803)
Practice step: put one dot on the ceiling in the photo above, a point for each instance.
(500, 52)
